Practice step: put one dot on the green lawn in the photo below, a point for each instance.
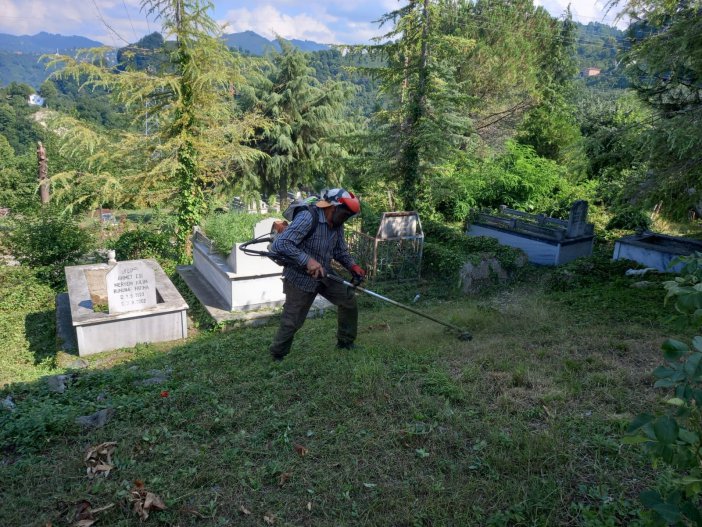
(521, 426)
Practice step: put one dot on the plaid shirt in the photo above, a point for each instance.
(323, 244)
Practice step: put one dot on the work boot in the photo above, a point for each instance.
(342, 345)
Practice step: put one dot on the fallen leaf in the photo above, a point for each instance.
(143, 501)
(300, 450)
(309, 505)
(164, 393)
(244, 510)
(85, 523)
(269, 519)
(98, 459)
(284, 478)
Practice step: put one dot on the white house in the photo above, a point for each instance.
(35, 100)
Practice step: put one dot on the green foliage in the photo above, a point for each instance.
(227, 229)
(144, 242)
(447, 249)
(517, 178)
(49, 241)
(629, 218)
(664, 64)
(27, 325)
(674, 437)
(686, 289)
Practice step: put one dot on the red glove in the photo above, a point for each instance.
(358, 274)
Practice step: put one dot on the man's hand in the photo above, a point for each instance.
(315, 269)
(358, 274)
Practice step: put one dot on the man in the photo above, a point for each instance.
(312, 240)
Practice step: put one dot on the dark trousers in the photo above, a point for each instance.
(297, 305)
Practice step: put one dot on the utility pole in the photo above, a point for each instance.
(42, 174)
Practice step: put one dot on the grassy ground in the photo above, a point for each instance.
(520, 426)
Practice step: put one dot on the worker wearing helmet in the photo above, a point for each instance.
(315, 237)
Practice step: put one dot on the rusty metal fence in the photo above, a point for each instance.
(395, 252)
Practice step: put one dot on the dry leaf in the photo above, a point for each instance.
(98, 459)
(283, 478)
(269, 519)
(309, 505)
(244, 510)
(300, 450)
(85, 523)
(143, 501)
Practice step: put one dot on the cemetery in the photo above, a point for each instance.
(514, 253)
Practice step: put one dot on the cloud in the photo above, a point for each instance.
(268, 21)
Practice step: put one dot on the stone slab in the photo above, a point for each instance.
(65, 332)
(131, 286)
(97, 331)
(216, 306)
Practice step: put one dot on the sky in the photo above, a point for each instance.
(118, 22)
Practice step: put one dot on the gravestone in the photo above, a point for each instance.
(577, 220)
(398, 225)
(131, 286)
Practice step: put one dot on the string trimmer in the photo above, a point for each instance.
(282, 260)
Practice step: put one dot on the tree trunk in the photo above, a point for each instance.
(42, 174)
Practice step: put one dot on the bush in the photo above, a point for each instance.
(629, 218)
(518, 178)
(144, 243)
(234, 227)
(447, 248)
(48, 242)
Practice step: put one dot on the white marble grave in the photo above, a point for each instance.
(121, 305)
(244, 282)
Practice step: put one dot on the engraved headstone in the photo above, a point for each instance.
(398, 226)
(131, 286)
(577, 221)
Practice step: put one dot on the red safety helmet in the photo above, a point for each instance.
(339, 196)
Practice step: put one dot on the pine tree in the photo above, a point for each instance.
(188, 135)
(307, 122)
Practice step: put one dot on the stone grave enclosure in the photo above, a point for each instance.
(237, 286)
(119, 305)
(545, 240)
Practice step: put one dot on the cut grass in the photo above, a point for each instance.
(520, 426)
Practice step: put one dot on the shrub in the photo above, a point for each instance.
(629, 218)
(48, 242)
(447, 248)
(144, 243)
(234, 227)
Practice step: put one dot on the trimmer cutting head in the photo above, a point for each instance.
(465, 336)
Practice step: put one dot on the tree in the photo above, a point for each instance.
(196, 133)
(664, 65)
(456, 73)
(421, 119)
(550, 128)
(307, 121)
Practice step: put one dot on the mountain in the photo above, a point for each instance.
(44, 43)
(254, 44)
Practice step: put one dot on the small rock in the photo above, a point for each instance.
(96, 420)
(78, 364)
(102, 396)
(57, 383)
(8, 403)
